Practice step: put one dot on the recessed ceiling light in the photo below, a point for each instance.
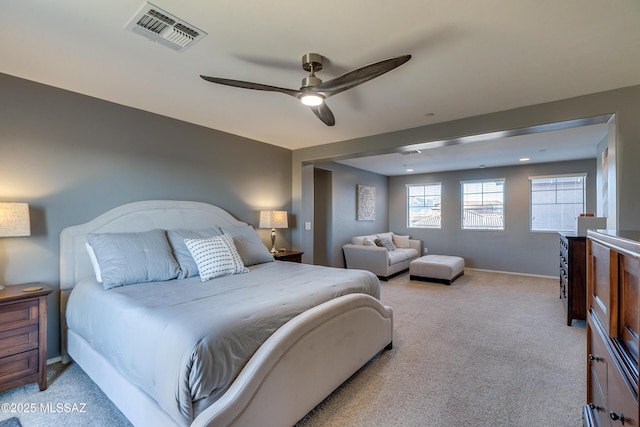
(409, 170)
(524, 159)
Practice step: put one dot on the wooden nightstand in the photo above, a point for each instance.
(293, 256)
(23, 335)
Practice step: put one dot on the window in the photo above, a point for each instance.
(423, 205)
(556, 201)
(483, 205)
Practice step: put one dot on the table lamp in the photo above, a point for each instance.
(14, 221)
(273, 220)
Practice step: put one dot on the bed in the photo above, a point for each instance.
(330, 323)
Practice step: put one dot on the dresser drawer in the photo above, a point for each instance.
(18, 366)
(629, 322)
(18, 340)
(610, 398)
(622, 406)
(598, 357)
(596, 406)
(18, 315)
(599, 290)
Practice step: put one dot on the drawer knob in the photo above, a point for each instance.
(593, 407)
(594, 357)
(616, 417)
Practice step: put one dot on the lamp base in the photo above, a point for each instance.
(273, 242)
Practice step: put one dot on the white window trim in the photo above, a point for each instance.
(408, 216)
(583, 175)
(504, 196)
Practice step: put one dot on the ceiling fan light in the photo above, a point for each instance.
(311, 100)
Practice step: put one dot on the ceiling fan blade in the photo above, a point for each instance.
(359, 76)
(324, 113)
(250, 85)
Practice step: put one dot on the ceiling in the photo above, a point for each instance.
(468, 58)
(571, 141)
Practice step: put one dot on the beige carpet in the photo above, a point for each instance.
(490, 350)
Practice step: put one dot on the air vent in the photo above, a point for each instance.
(164, 28)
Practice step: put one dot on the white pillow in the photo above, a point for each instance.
(388, 235)
(94, 262)
(358, 240)
(401, 241)
(216, 257)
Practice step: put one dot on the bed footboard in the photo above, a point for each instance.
(303, 362)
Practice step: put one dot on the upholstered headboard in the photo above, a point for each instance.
(138, 216)
(75, 264)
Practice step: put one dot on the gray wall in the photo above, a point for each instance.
(323, 216)
(73, 157)
(623, 148)
(343, 212)
(515, 249)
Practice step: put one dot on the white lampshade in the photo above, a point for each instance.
(14, 220)
(273, 219)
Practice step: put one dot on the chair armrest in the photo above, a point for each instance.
(372, 258)
(417, 245)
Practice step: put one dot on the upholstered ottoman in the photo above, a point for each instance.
(437, 268)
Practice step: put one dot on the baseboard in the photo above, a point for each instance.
(54, 360)
(514, 273)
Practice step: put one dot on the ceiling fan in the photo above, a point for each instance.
(313, 91)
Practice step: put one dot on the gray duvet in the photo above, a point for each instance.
(184, 341)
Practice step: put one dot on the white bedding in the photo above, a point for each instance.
(184, 341)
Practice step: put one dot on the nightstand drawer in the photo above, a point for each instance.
(18, 340)
(18, 315)
(23, 335)
(15, 367)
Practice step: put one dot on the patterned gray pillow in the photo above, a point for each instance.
(216, 256)
(385, 242)
(188, 267)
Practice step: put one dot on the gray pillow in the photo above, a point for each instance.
(386, 242)
(128, 258)
(248, 244)
(188, 266)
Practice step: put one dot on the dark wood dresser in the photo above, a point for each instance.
(573, 279)
(23, 335)
(613, 326)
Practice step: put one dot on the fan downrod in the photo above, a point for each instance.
(312, 62)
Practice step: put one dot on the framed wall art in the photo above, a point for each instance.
(366, 203)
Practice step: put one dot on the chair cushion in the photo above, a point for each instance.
(397, 256)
